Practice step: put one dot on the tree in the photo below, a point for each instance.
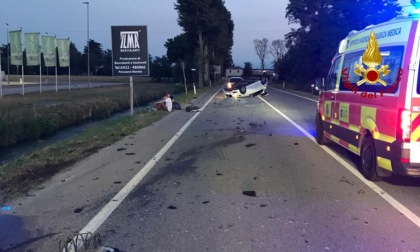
(322, 25)
(261, 48)
(209, 28)
(160, 68)
(96, 56)
(277, 49)
(179, 48)
(76, 60)
(247, 70)
(107, 63)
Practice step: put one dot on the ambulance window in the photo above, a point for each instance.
(332, 75)
(391, 56)
(418, 84)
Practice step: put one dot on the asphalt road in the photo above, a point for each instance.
(35, 88)
(241, 177)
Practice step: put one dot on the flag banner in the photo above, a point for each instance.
(63, 46)
(48, 49)
(16, 57)
(32, 49)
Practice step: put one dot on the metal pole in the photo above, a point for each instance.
(1, 79)
(69, 64)
(131, 95)
(23, 78)
(55, 63)
(88, 40)
(40, 71)
(23, 82)
(56, 86)
(8, 53)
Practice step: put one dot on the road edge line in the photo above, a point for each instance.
(293, 94)
(94, 224)
(388, 198)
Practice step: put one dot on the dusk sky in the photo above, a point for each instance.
(67, 18)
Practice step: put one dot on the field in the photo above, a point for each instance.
(35, 115)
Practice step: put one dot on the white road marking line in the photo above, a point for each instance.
(395, 203)
(294, 94)
(107, 210)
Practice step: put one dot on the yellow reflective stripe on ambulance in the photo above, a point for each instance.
(368, 118)
(386, 138)
(354, 149)
(354, 128)
(384, 163)
(415, 135)
(343, 113)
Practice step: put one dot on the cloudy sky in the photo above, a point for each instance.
(68, 18)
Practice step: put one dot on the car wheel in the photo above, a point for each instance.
(320, 137)
(368, 160)
(242, 89)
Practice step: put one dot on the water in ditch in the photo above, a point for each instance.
(10, 153)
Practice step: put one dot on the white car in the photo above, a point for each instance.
(239, 87)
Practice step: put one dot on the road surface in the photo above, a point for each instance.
(240, 175)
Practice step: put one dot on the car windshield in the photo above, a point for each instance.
(235, 80)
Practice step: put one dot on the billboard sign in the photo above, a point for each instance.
(130, 56)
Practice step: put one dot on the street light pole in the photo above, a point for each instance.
(8, 53)
(88, 49)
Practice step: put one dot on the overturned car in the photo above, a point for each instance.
(239, 87)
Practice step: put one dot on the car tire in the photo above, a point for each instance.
(242, 89)
(368, 164)
(320, 137)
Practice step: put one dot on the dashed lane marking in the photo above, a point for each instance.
(391, 200)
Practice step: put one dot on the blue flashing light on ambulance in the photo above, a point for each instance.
(369, 102)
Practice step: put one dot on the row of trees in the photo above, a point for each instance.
(100, 63)
(323, 24)
(206, 41)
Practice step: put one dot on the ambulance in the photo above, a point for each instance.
(369, 103)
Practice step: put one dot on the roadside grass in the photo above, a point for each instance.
(33, 116)
(19, 176)
(77, 78)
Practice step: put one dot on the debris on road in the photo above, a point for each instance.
(250, 145)
(78, 210)
(171, 207)
(249, 193)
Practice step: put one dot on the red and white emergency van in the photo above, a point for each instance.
(370, 101)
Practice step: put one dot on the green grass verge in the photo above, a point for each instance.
(33, 116)
(22, 174)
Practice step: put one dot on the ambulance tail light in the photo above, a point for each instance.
(404, 130)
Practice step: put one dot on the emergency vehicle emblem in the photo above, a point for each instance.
(372, 58)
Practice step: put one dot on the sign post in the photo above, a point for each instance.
(130, 55)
